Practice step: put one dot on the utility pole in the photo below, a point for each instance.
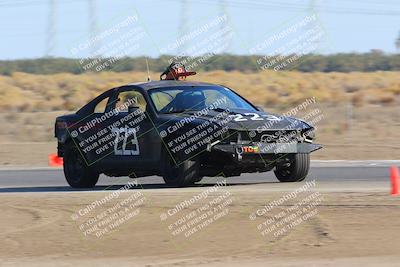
(398, 43)
(317, 39)
(224, 26)
(222, 9)
(183, 25)
(93, 27)
(51, 29)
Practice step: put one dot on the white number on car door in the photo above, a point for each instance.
(128, 137)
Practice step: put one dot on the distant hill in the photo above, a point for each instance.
(367, 62)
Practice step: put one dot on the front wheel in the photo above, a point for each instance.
(183, 174)
(76, 171)
(295, 170)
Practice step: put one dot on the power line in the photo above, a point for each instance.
(32, 3)
(299, 7)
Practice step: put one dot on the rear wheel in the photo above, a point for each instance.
(183, 174)
(76, 171)
(295, 170)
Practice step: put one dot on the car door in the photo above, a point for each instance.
(90, 133)
(136, 142)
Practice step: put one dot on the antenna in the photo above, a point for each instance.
(148, 71)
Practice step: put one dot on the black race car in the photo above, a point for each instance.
(181, 131)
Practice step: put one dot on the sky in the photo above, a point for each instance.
(152, 27)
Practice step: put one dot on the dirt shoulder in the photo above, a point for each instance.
(348, 229)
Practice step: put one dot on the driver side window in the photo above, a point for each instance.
(101, 106)
(128, 99)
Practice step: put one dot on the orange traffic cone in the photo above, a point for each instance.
(55, 161)
(395, 179)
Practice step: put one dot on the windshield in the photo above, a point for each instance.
(194, 98)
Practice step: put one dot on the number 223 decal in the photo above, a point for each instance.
(128, 136)
(255, 117)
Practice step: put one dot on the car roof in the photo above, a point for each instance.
(168, 83)
(144, 86)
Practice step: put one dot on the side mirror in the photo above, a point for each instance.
(259, 108)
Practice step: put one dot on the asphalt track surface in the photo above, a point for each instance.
(338, 175)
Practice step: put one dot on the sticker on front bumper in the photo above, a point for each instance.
(250, 149)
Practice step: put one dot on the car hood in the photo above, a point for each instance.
(246, 121)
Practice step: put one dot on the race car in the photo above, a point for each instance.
(182, 131)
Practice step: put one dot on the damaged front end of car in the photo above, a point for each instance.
(257, 150)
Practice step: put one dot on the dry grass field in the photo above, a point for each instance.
(358, 113)
(64, 91)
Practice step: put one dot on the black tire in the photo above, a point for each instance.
(198, 179)
(183, 174)
(76, 171)
(297, 171)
